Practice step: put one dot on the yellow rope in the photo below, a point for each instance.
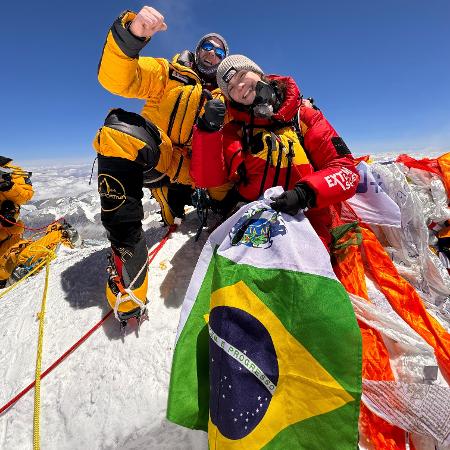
(37, 388)
(33, 270)
(51, 254)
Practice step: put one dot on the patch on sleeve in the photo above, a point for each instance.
(340, 146)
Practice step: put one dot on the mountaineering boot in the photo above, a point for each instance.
(126, 289)
(18, 273)
(25, 254)
(70, 236)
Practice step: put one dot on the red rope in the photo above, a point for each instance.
(4, 219)
(56, 363)
(152, 255)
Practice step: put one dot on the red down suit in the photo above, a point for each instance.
(297, 144)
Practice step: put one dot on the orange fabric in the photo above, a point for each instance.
(444, 233)
(365, 158)
(405, 300)
(16, 250)
(376, 365)
(444, 165)
(381, 434)
(348, 266)
(430, 165)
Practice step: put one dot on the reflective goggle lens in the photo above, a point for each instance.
(208, 46)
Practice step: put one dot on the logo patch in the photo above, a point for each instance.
(229, 74)
(257, 227)
(112, 192)
(345, 179)
(177, 76)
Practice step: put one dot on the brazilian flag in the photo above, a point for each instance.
(268, 352)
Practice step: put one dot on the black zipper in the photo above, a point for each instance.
(178, 168)
(184, 116)
(173, 114)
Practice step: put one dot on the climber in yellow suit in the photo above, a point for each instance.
(17, 254)
(151, 149)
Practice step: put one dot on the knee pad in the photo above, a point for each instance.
(128, 135)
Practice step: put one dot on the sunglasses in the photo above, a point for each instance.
(208, 46)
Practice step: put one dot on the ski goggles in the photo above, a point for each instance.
(208, 46)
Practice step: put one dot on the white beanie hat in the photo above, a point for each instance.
(230, 66)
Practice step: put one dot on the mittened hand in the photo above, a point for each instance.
(291, 201)
(213, 117)
(147, 22)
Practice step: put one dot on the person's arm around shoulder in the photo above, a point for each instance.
(120, 70)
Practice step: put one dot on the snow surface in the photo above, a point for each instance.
(111, 393)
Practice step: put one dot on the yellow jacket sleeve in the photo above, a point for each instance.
(121, 71)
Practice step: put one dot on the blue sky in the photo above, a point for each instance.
(379, 70)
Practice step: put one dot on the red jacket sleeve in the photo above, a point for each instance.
(335, 178)
(207, 167)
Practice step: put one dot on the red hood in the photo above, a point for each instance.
(285, 113)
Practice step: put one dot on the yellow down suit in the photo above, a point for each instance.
(151, 149)
(16, 252)
(174, 95)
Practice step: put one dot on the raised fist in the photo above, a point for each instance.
(147, 22)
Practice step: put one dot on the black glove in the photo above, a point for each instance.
(291, 201)
(213, 117)
(265, 94)
(5, 182)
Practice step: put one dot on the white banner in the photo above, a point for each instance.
(371, 202)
